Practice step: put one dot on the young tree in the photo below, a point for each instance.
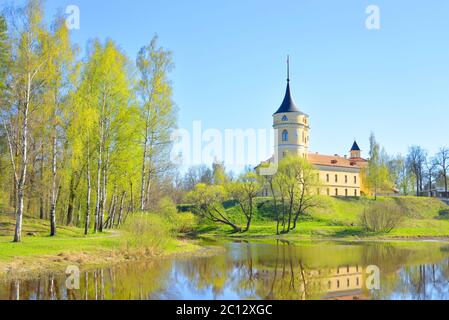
(219, 173)
(157, 111)
(378, 176)
(244, 191)
(295, 183)
(208, 203)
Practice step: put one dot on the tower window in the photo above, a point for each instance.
(285, 135)
(284, 118)
(327, 177)
(346, 179)
(336, 178)
(355, 193)
(336, 192)
(355, 179)
(346, 192)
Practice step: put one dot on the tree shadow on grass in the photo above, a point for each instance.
(443, 214)
(351, 232)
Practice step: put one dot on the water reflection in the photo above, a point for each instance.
(278, 270)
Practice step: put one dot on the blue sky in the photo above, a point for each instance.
(230, 63)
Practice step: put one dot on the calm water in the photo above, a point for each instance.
(278, 270)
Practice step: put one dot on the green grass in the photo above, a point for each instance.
(339, 218)
(142, 235)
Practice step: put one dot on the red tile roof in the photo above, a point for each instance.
(334, 161)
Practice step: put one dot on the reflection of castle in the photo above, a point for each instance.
(345, 283)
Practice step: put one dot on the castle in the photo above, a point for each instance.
(339, 175)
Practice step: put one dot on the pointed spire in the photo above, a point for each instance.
(288, 105)
(355, 147)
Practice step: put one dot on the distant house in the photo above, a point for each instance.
(435, 192)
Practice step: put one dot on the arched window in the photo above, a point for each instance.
(284, 118)
(285, 135)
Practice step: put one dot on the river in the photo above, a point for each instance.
(263, 271)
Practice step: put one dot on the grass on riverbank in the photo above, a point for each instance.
(340, 218)
(144, 235)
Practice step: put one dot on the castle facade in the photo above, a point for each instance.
(340, 176)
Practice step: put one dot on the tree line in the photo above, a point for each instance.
(416, 173)
(84, 140)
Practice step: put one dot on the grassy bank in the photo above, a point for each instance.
(143, 236)
(340, 218)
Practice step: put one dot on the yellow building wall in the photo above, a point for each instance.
(297, 126)
(339, 184)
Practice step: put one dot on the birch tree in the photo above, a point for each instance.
(59, 75)
(28, 62)
(106, 88)
(157, 111)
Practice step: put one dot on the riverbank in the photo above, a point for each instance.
(38, 253)
(339, 218)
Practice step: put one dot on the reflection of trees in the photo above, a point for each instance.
(284, 276)
(116, 282)
(423, 282)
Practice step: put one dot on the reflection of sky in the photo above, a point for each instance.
(181, 288)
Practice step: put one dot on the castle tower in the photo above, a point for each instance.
(291, 126)
(355, 151)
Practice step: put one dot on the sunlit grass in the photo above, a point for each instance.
(340, 218)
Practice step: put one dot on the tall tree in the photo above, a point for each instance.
(106, 88)
(430, 166)
(442, 160)
(59, 75)
(25, 95)
(157, 109)
(416, 159)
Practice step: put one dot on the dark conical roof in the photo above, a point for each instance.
(355, 147)
(288, 105)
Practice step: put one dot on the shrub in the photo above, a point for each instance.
(382, 217)
(185, 222)
(147, 230)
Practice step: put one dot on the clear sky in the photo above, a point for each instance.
(230, 63)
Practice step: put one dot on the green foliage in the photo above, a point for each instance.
(181, 222)
(4, 54)
(378, 177)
